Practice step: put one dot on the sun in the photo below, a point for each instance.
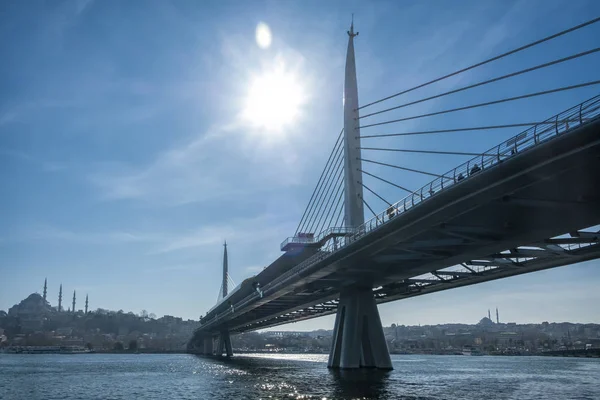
(263, 35)
(274, 100)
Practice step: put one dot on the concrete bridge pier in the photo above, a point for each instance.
(224, 344)
(208, 346)
(358, 339)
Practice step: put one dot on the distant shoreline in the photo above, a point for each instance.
(579, 353)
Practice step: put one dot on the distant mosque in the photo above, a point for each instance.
(35, 304)
(487, 321)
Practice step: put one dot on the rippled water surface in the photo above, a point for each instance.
(111, 376)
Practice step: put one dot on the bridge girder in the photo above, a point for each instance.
(484, 227)
(587, 246)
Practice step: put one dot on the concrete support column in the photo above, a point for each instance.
(224, 344)
(358, 339)
(208, 346)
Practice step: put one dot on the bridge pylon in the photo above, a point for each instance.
(354, 214)
(358, 339)
(224, 345)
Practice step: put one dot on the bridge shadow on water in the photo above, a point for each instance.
(360, 383)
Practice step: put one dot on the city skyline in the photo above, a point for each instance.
(416, 318)
(121, 148)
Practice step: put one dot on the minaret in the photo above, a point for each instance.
(73, 309)
(497, 318)
(86, 303)
(60, 298)
(45, 288)
(353, 192)
(489, 315)
(225, 269)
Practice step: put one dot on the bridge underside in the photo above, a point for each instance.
(583, 246)
(537, 210)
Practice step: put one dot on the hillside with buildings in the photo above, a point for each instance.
(35, 322)
(485, 337)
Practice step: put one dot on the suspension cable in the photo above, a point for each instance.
(388, 182)
(340, 213)
(319, 181)
(316, 192)
(339, 174)
(338, 162)
(327, 190)
(380, 198)
(525, 96)
(590, 22)
(220, 294)
(476, 128)
(453, 153)
(230, 280)
(482, 83)
(336, 152)
(340, 205)
(369, 207)
(333, 204)
(404, 168)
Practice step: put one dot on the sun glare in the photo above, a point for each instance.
(263, 35)
(274, 100)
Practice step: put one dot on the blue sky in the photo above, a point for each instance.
(126, 160)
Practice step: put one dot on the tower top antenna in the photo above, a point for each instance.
(351, 31)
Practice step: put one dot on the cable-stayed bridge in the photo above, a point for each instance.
(529, 203)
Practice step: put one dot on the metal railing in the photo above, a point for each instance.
(533, 136)
(297, 240)
(333, 231)
(539, 133)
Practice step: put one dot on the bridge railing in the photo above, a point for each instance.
(527, 139)
(321, 237)
(297, 240)
(533, 136)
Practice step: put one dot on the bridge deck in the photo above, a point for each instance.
(532, 189)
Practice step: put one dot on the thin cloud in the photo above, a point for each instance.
(82, 5)
(179, 268)
(220, 163)
(39, 232)
(242, 232)
(178, 176)
(254, 269)
(201, 238)
(46, 166)
(8, 116)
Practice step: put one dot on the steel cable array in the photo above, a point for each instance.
(489, 60)
(321, 203)
(326, 204)
(463, 108)
(513, 74)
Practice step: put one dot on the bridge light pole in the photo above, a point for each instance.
(358, 339)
